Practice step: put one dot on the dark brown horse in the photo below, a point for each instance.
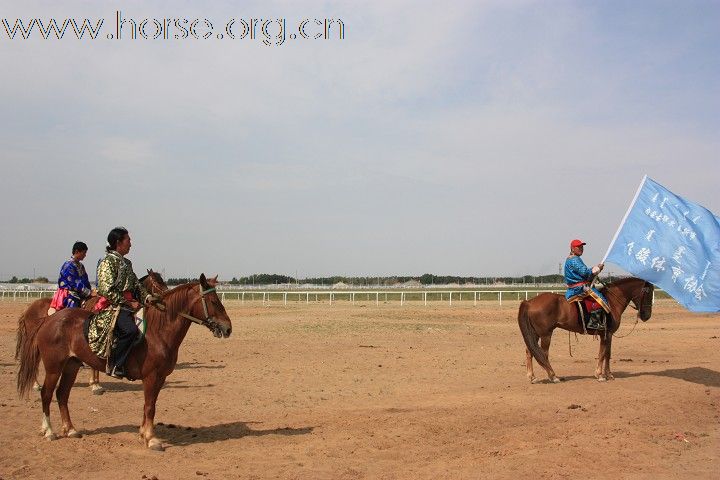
(37, 312)
(539, 316)
(60, 343)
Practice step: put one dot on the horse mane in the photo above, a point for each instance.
(619, 283)
(175, 300)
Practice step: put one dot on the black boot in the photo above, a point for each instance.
(596, 320)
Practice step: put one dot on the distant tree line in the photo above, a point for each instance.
(15, 279)
(426, 279)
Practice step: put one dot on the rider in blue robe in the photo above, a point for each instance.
(73, 283)
(578, 277)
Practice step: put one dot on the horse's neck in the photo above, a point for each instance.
(168, 327)
(622, 294)
(171, 332)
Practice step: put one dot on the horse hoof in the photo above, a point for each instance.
(50, 437)
(37, 387)
(535, 381)
(556, 380)
(155, 444)
(74, 434)
(97, 389)
(602, 379)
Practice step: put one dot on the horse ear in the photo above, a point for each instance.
(213, 281)
(149, 270)
(203, 280)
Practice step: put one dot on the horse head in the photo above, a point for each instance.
(154, 283)
(643, 301)
(209, 309)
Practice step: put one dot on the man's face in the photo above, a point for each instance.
(80, 255)
(578, 250)
(123, 246)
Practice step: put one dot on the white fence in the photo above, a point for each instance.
(403, 297)
(269, 297)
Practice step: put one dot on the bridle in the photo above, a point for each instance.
(647, 287)
(208, 321)
(155, 287)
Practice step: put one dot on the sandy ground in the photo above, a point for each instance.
(346, 392)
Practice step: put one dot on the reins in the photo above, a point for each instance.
(207, 321)
(639, 308)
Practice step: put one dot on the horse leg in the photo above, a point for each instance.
(151, 388)
(63, 394)
(46, 392)
(529, 366)
(94, 382)
(608, 353)
(36, 385)
(601, 370)
(545, 345)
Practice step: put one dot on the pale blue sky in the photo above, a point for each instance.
(475, 138)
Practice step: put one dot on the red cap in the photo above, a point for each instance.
(577, 243)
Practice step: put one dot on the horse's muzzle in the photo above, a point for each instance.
(219, 330)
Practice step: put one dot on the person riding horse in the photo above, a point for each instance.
(73, 283)
(578, 278)
(113, 330)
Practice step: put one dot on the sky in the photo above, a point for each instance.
(470, 138)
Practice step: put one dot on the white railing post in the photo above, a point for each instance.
(451, 299)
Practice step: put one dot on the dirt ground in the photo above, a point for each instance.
(346, 392)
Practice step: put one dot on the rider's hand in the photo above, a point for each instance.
(601, 266)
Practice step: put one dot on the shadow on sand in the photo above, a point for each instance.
(137, 385)
(178, 435)
(184, 365)
(699, 375)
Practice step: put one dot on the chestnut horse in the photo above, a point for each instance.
(37, 312)
(60, 342)
(539, 316)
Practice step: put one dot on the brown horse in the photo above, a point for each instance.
(539, 316)
(60, 343)
(37, 312)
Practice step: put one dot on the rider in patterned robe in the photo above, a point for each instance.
(73, 283)
(578, 277)
(113, 330)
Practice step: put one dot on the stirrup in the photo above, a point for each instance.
(117, 372)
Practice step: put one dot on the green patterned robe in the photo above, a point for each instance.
(115, 276)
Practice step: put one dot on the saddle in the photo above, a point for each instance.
(591, 313)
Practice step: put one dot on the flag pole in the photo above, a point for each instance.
(632, 204)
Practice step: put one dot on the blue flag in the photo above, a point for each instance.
(672, 243)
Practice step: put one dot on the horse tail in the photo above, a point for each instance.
(20, 337)
(530, 335)
(29, 362)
